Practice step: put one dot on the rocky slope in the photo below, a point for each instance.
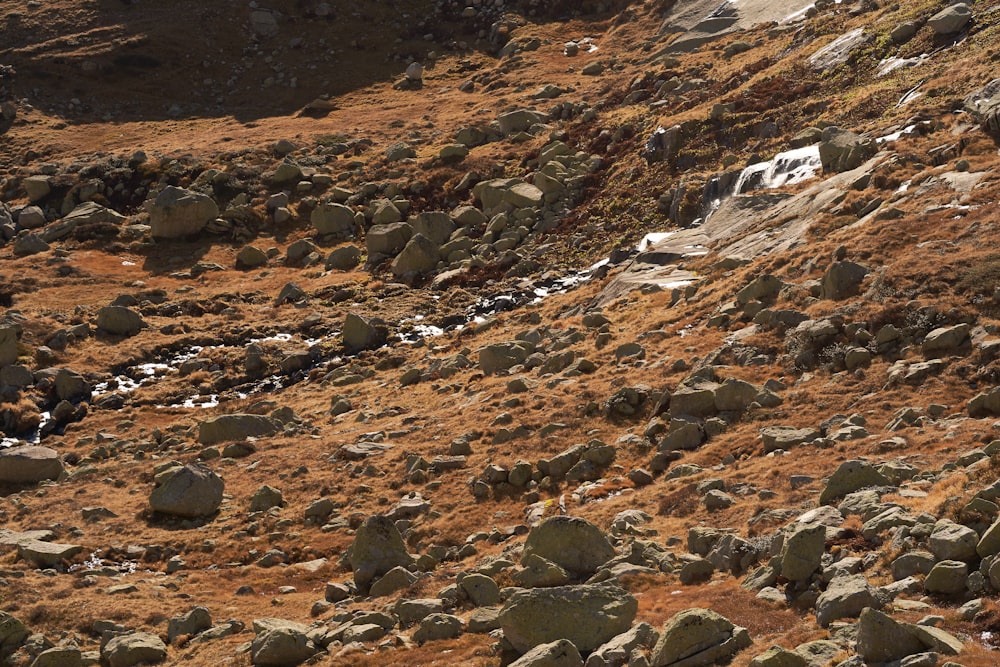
(337, 337)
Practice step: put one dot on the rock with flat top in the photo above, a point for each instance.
(134, 648)
(47, 554)
(698, 638)
(28, 464)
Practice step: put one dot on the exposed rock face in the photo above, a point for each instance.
(572, 543)
(586, 615)
(378, 547)
(29, 464)
(696, 638)
(177, 213)
(843, 150)
(134, 648)
(189, 491)
(119, 321)
(227, 428)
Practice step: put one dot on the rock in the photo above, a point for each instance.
(945, 340)
(989, 545)
(250, 257)
(438, 626)
(947, 577)
(37, 187)
(842, 150)
(839, 51)
(189, 624)
(453, 153)
(540, 573)
(189, 491)
(394, 580)
(520, 120)
(953, 541)
(333, 220)
(560, 653)
(849, 477)
(26, 244)
(506, 194)
(228, 428)
(950, 19)
(87, 213)
(481, 590)
(399, 151)
(620, 649)
(119, 321)
(378, 547)
(777, 656)
(265, 498)
(264, 23)
(786, 437)
(435, 225)
(986, 404)
(420, 255)
(71, 386)
(31, 217)
(802, 552)
(572, 543)
(12, 634)
(9, 336)
(28, 464)
(281, 646)
(177, 213)
(845, 597)
(586, 615)
(46, 554)
(387, 240)
(502, 356)
(881, 639)
(134, 648)
(698, 638)
(344, 258)
(59, 656)
(841, 280)
(360, 334)
(984, 106)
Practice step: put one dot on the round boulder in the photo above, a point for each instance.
(572, 543)
(187, 491)
(176, 213)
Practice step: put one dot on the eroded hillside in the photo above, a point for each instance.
(311, 354)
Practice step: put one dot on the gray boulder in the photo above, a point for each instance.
(845, 597)
(37, 187)
(777, 656)
(394, 580)
(435, 225)
(947, 577)
(189, 491)
(619, 650)
(501, 356)
(841, 280)
(786, 437)
(189, 624)
(481, 590)
(27, 244)
(438, 626)
(59, 656)
(986, 404)
(9, 336)
(227, 428)
(119, 321)
(12, 634)
(387, 240)
(333, 220)
(953, 541)
(250, 257)
(560, 653)
(134, 648)
(989, 544)
(343, 259)
(46, 554)
(360, 334)
(572, 543)
(802, 552)
(951, 19)
(520, 120)
(849, 477)
(843, 150)
(87, 213)
(176, 213)
(698, 638)
(984, 105)
(586, 615)
(28, 464)
(280, 644)
(881, 639)
(946, 340)
(378, 547)
(420, 256)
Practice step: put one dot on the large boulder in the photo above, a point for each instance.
(280, 644)
(176, 213)
(227, 428)
(46, 554)
(951, 19)
(119, 321)
(946, 340)
(953, 541)
(984, 105)
(986, 404)
(572, 543)
(378, 547)
(387, 240)
(189, 624)
(845, 597)
(587, 615)
(28, 464)
(134, 648)
(698, 638)
(882, 639)
(851, 476)
(419, 256)
(802, 552)
(841, 280)
(87, 213)
(520, 120)
(360, 334)
(188, 491)
(435, 225)
(12, 634)
(843, 150)
(560, 653)
(502, 356)
(333, 220)
(8, 345)
(506, 194)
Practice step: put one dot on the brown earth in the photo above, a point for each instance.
(187, 82)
